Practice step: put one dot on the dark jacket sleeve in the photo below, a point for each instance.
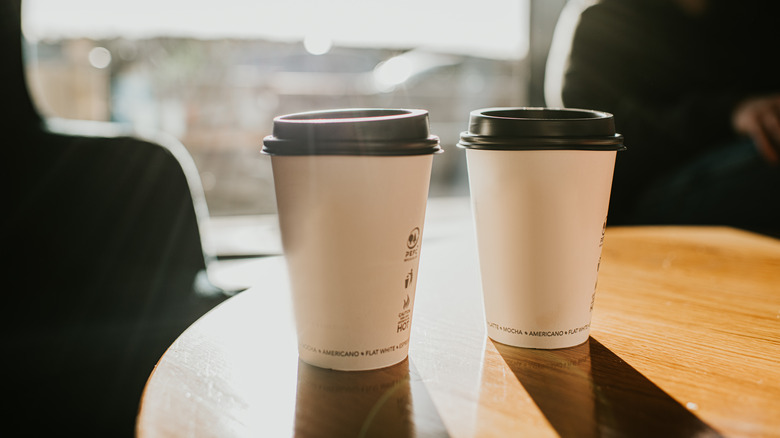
(671, 79)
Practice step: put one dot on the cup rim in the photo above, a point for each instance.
(352, 131)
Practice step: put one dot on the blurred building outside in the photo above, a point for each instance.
(218, 96)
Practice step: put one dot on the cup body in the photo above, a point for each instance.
(346, 224)
(540, 215)
(539, 218)
(351, 227)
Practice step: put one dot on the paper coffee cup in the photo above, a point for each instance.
(351, 190)
(540, 181)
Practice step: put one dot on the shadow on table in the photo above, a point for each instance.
(390, 402)
(588, 391)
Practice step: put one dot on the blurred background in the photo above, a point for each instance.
(215, 74)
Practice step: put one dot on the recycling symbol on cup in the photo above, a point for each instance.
(414, 237)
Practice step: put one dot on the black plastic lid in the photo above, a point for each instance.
(541, 128)
(357, 131)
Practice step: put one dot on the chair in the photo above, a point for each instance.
(105, 263)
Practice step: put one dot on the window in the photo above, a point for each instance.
(215, 73)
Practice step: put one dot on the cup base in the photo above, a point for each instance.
(539, 342)
(356, 361)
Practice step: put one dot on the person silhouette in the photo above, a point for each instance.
(695, 90)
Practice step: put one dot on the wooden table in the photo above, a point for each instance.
(685, 341)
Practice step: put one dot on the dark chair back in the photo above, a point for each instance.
(103, 257)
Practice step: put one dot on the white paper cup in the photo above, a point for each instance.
(540, 181)
(351, 195)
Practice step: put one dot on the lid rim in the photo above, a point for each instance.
(560, 147)
(308, 116)
(595, 114)
(469, 141)
(276, 146)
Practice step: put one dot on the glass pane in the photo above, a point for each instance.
(215, 73)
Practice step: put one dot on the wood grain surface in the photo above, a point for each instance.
(685, 341)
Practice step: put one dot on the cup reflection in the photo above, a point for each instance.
(353, 403)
